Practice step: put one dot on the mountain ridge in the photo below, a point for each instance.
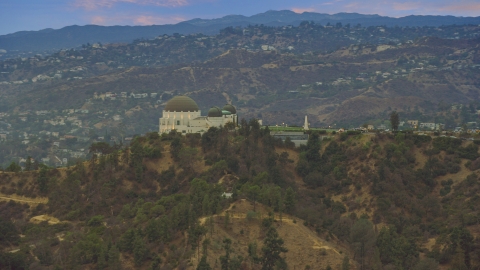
(74, 35)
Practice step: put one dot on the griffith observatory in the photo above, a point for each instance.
(182, 114)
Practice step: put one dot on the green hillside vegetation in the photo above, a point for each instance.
(398, 201)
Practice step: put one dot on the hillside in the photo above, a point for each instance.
(48, 40)
(397, 200)
(53, 107)
(348, 86)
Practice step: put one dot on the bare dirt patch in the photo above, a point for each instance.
(42, 218)
(304, 246)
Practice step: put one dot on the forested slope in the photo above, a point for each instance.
(348, 201)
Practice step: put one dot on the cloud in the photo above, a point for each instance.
(468, 8)
(301, 10)
(145, 19)
(95, 4)
(406, 6)
(98, 20)
(151, 20)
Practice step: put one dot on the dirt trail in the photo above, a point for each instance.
(23, 199)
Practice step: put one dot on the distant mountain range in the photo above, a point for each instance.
(75, 36)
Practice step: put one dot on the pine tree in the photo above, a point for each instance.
(289, 199)
(205, 245)
(42, 180)
(114, 258)
(101, 262)
(272, 248)
(203, 265)
(346, 263)
(394, 120)
(252, 253)
(140, 251)
(156, 263)
(225, 260)
(28, 164)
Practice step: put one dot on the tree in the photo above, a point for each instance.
(100, 147)
(272, 248)
(13, 167)
(346, 263)
(195, 234)
(42, 180)
(175, 148)
(156, 263)
(225, 259)
(252, 253)
(426, 264)
(8, 233)
(362, 236)
(187, 158)
(114, 258)
(394, 120)
(28, 164)
(313, 151)
(140, 251)
(289, 199)
(396, 249)
(203, 265)
(101, 262)
(460, 246)
(253, 192)
(205, 245)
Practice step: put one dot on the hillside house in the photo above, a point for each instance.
(117, 117)
(430, 126)
(267, 48)
(413, 123)
(381, 127)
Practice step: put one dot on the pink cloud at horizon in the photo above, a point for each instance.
(135, 20)
(473, 8)
(95, 4)
(98, 20)
(151, 20)
(397, 8)
(302, 10)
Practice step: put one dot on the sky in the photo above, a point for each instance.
(20, 15)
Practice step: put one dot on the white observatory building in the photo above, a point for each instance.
(182, 114)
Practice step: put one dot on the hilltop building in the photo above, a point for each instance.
(182, 114)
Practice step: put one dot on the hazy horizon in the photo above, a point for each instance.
(30, 15)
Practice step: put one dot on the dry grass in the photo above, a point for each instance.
(304, 246)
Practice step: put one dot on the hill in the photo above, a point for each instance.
(381, 200)
(74, 36)
(347, 87)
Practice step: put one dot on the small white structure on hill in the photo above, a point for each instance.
(305, 125)
(182, 114)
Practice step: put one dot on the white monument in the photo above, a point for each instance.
(305, 125)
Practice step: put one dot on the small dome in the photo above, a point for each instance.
(230, 108)
(224, 112)
(181, 104)
(214, 112)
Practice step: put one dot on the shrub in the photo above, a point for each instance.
(444, 143)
